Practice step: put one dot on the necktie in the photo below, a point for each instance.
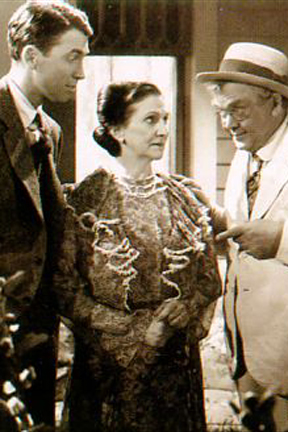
(40, 141)
(253, 183)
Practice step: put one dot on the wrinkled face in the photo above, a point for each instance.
(57, 73)
(246, 112)
(145, 134)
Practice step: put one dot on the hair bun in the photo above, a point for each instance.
(103, 137)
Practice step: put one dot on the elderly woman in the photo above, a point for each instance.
(138, 278)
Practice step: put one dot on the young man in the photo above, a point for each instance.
(47, 41)
(250, 93)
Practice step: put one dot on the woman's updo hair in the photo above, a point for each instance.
(114, 104)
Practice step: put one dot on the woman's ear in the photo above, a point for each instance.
(118, 133)
(30, 56)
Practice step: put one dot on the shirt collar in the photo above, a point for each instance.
(267, 152)
(26, 110)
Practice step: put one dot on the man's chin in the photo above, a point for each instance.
(241, 145)
(63, 99)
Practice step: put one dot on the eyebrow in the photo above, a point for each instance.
(229, 104)
(158, 112)
(78, 51)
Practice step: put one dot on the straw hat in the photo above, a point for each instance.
(252, 63)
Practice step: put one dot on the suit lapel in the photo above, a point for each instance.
(17, 148)
(235, 192)
(273, 178)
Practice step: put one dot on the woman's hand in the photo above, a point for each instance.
(108, 320)
(157, 333)
(174, 312)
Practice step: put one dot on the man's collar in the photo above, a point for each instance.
(26, 110)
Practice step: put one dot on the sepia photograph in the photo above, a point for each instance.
(143, 206)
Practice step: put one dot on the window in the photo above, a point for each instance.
(100, 70)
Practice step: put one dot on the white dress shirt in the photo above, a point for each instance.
(26, 110)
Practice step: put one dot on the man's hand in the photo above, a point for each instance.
(259, 238)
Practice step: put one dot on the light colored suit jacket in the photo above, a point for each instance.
(256, 294)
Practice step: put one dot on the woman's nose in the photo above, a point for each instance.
(163, 127)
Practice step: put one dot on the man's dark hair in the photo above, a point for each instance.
(42, 23)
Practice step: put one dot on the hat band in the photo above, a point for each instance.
(232, 65)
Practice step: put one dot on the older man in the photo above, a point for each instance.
(250, 93)
(47, 41)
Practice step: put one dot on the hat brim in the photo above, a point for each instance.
(245, 78)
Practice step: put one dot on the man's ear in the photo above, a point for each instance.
(118, 133)
(30, 55)
(278, 104)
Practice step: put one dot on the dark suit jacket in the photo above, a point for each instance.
(30, 222)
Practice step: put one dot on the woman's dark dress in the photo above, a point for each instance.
(135, 245)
